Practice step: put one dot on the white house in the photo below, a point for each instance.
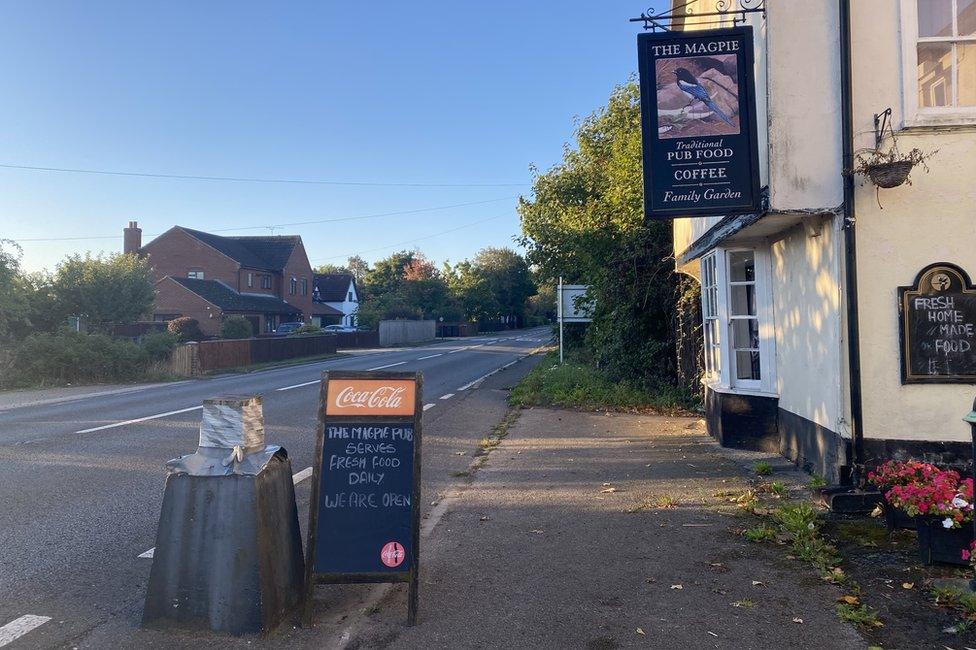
(337, 291)
(806, 303)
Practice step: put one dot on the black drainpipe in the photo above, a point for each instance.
(850, 247)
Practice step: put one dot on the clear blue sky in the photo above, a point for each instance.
(427, 92)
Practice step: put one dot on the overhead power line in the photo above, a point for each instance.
(247, 179)
(284, 225)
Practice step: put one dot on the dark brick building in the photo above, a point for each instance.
(268, 280)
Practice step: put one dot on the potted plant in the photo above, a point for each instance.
(895, 473)
(891, 168)
(941, 505)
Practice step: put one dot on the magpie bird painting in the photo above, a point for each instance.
(691, 87)
(697, 96)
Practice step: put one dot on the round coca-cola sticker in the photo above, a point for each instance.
(392, 554)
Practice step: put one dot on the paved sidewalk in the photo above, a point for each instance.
(559, 541)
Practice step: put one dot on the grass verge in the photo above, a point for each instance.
(576, 385)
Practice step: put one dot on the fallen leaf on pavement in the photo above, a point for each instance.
(485, 518)
(537, 532)
(907, 585)
(758, 583)
(608, 490)
(850, 600)
(677, 587)
(797, 619)
(640, 631)
(877, 512)
(651, 580)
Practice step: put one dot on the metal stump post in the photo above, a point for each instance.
(971, 419)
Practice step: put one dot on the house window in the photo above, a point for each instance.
(250, 280)
(739, 345)
(304, 287)
(712, 326)
(939, 61)
(195, 274)
(293, 287)
(350, 297)
(743, 316)
(265, 281)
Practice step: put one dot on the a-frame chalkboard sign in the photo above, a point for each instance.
(364, 515)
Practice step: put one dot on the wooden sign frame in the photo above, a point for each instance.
(411, 575)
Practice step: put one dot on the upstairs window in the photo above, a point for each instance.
(265, 281)
(939, 61)
(196, 274)
(350, 296)
(304, 287)
(250, 280)
(293, 286)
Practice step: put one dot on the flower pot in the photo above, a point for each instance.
(896, 518)
(890, 174)
(943, 545)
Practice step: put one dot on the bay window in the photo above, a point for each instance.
(737, 320)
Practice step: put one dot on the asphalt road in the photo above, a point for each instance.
(81, 484)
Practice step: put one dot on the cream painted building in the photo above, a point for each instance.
(796, 358)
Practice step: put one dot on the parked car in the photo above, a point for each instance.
(339, 328)
(288, 328)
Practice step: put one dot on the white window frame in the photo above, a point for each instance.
(710, 312)
(195, 274)
(915, 115)
(724, 380)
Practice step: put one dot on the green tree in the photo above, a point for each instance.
(331, 268)
(14, 292)
(113, 289)
(236, 327)
(358, 267)
(584, 222)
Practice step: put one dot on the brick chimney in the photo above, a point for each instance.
(132, 238)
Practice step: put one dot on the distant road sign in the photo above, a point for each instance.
(569, 311)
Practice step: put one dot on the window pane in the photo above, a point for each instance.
(742, 266)
(745, 333)
(934, 18)
(747, 365)
(966, 72)
(966, 17)
(743, 300)
(934, 74)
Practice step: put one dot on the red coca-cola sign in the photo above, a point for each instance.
(371, 397)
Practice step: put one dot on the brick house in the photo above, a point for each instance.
(338, 292)
(267, 280)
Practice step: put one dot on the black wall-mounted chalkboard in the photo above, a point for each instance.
(938, 327)
(364, 515)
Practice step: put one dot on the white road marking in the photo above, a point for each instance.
(458, 350)
(448, 396)
(148, 417)
(389, 365)
(430, 357)
(429, 406)
(19, 627)
(298, 477)
(307, 383)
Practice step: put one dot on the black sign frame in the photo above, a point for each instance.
(909, 345)
(412, 574)
(745, 143)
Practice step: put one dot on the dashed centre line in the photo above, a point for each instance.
(20, 626)
(148, 417)
(448, 396)
(389, 365)
(430, 356)
(307, 383)
(429, 406)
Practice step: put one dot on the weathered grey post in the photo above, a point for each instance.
(228, 547)
(971, 419)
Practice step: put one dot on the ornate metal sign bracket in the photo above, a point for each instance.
(727, 12)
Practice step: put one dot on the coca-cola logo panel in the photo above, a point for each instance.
(370, 397)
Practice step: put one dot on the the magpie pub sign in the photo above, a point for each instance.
(698, 123)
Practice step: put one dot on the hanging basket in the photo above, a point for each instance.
(890, 174)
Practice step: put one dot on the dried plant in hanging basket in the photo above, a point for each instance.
(887, 169)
